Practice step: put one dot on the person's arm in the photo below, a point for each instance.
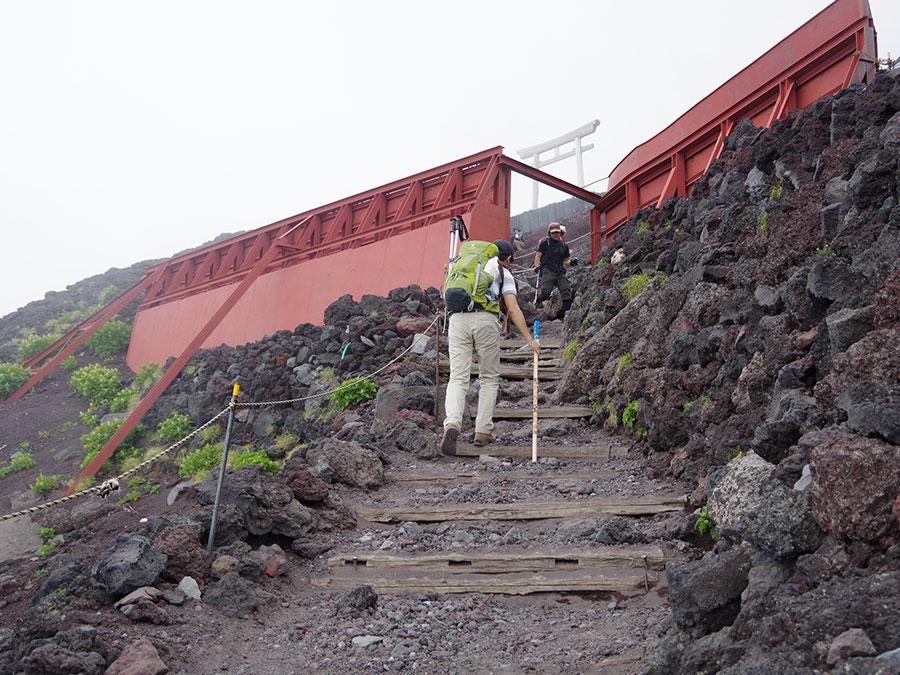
(515, 313)
(566, 259)
(537, 259)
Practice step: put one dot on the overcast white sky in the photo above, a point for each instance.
(133, 130)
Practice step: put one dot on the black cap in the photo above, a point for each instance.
(506, 249)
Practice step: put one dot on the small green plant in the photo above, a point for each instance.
(668, 224)
(285, 441)
(634, 284)
(776, 192)
(24, 445)
(125, 400)
(198, 463)
(625, 360)
(641, 432)
(46, 550)
(600, 262)
(825, 250)
(12, 377)
(33, 345)
(44, 484)
(629, 415)
(46, 533)
(270, 429)
(353, 392)
(705, 523)
(88, 418)
(19, 462)
(84, 483)
(596, 404)
(612, 417)
(211, 433)
(762, 224)
(44, 435)
(132, 496)
(643, 226)
(571, 350)
(94, 441)
(259, 458)
(734, 454)
(96, 383)
(69, 364)
(62, 590)
(175, 427)
(69, 425)
(107, 293)
(110, 339)
(40, 572)
(328, 373)
(149, 375)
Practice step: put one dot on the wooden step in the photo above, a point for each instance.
(631, 506)
(545, 372)
(500, 562)
(583, 451)
(517, 583)
(556, 412)
(483, 476)
(546, 359)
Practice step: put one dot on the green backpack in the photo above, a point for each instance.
(468, 283)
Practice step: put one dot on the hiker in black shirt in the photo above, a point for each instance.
(552, 260)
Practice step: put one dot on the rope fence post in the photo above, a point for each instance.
(215, 513)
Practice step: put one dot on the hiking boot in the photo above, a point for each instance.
(448, 442)
(482, 440)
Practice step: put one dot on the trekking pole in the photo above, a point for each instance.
(215, 513)
(537, 285)
(534, 401)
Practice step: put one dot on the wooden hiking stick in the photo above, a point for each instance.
(534, 401)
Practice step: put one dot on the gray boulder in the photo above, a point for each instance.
(233, 595)
(352, 464)
(132, 563)
(737, 492)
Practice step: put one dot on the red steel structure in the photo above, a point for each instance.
(831, 51)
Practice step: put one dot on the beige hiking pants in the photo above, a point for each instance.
(473, 333)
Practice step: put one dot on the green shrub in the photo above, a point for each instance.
(69, 364)
(96, 383)
(110, 339)
(629, 415)
(328, 373)
(94, 441)
(132, 496)
(46, 533)
(107, 293)
(259, 457)
(125, 400)
(211, 433)
(571, 350)
(88, 419)
(643, 226)
(12, 376)
(69, 425)
(44, 484)
(149, 375)
(201, 461)
(634, 284)
(34, 344)
(600, 262)
(175, 427)
(285, 441)
(762, 224)
(46, 550)
(19, 462)
(641, 432)
(353, 392)
(44, 434)
(776, 192)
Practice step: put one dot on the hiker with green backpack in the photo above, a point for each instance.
(480, 292)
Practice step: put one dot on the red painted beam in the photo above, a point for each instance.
(552, 181)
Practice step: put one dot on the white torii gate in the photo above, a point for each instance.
(534, 153)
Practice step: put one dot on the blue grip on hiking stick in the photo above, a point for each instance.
(536, 326)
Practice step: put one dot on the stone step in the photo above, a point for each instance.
(515, 343)
(485, 476)
(626, 506)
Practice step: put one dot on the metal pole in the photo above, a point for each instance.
(437, 373)
(534, 401)
(215, 514)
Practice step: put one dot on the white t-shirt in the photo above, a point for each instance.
(509, 284)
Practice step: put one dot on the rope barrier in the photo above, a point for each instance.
(111, 484)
